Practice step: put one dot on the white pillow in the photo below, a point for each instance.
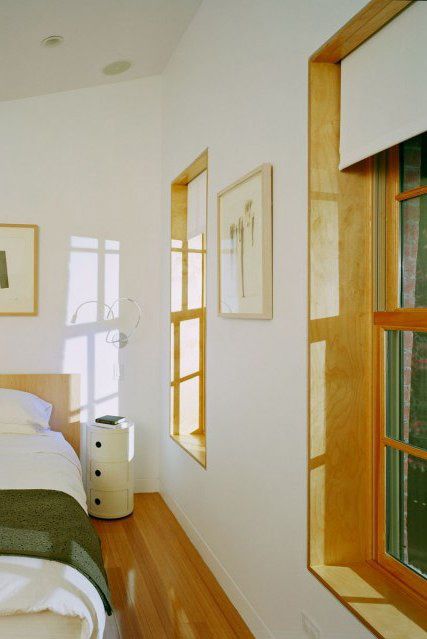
(17, 407)
(22, 429)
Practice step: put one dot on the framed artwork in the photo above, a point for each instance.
(18, 269)
(245, 270)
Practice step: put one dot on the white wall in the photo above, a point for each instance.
(86, 164)
(238, 85)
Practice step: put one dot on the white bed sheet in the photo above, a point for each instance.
(31, 585)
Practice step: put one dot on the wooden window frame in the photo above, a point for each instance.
(177, 317)
(342, 356)
(195, 443)
(392, 318)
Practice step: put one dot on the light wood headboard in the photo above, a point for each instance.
(62, 391)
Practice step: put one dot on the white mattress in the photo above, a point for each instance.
(39, 598)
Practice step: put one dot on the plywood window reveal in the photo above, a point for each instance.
(188, 309)
(367, 469)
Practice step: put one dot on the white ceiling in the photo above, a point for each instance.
(96, 32)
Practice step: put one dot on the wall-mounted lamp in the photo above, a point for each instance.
(123, 338)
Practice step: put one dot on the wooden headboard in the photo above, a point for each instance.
(62, 391)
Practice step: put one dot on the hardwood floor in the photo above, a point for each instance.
(160, 585)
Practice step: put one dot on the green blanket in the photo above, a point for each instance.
(52, 525)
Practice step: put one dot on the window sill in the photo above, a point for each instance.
(385, 607)
(194, 445)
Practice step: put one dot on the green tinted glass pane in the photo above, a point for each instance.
(406, 509)
(413, 225)
(406, 387)
(413, 162)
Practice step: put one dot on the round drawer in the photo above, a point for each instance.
(110, 504)
(114, 447)
(109, 475)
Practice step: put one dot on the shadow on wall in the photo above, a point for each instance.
(93, 277)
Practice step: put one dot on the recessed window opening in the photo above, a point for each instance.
(188, 309)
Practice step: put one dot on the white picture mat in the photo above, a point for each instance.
(245, 254)
(19, 245)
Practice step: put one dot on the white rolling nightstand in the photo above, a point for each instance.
(110, 454)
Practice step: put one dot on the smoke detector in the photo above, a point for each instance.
(52, 41)
(119, 66)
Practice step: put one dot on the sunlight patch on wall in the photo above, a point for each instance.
(94, 280)
(76, 361)
(106, 362)
(317, 515)
(324, 274)
(82, 279)
(112, 274)
(317, 398)
(84, 242)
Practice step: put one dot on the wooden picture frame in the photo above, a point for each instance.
(245, 260)
(19, 256)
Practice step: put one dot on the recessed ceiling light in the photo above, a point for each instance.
(119, 66)
(52, 41)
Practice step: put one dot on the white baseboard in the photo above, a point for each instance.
(236, 596)
(146, 485)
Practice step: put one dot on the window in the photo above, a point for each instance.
(401, 372)
(188, 309)
(346, 505)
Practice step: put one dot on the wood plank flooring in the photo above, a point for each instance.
(160, 585)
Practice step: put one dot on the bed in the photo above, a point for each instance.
(41, 598)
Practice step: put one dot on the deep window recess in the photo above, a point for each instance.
(188, 309)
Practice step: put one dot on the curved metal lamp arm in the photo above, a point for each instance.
(123, 338)
(76, 312)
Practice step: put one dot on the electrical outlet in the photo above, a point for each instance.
(310, 629)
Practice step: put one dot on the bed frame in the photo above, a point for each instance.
(60, 390)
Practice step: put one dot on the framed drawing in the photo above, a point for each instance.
(18, 269)
(245, 270)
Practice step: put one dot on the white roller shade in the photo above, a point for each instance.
(384, 87)
(196, 206)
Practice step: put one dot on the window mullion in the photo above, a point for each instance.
(405, 448)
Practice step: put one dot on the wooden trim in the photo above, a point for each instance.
(408, 195)
(195, 443)
(379, 418)
(179, 212)
(404, 447)
(175, 249)
(379, 206)
(341, 553)
(415, 584)
(177, 382)
(177, 373)
(183, 442)
(381, 602)
(184, 282)
(404, 574)
(189, 313)
(199, 165)
(392, 257)
(35, 310)
(373, 17)
(402, 319)
(340, 329)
